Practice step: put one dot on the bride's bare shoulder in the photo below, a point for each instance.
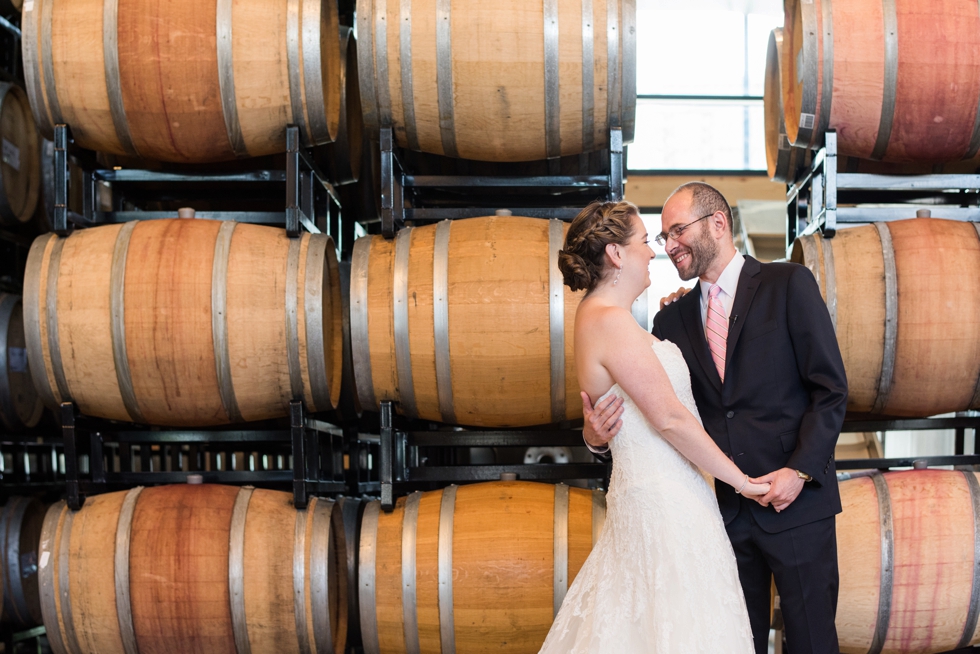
(606, 318)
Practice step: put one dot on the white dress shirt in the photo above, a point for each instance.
(728, 281)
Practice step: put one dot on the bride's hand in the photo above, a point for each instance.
(756, 490)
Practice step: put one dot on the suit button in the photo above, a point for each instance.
(730, 414)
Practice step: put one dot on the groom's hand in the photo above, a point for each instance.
(786, 487)
(602, 422)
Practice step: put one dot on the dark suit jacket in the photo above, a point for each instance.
(785, 392)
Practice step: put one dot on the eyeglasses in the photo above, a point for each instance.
(676, 231)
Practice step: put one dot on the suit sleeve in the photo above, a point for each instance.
(657, 331)
(821, 367)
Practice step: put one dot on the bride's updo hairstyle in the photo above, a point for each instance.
(583, 260)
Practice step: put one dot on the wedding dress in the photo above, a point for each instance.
(662, 577)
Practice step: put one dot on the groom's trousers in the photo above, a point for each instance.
(803, 561)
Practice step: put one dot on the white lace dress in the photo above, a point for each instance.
(662, 578)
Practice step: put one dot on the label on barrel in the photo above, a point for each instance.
(11, 155)
(28, 6)
(17, 356)
(806, 121)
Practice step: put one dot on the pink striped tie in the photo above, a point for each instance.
(717, 330)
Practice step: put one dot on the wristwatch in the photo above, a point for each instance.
(802, 475)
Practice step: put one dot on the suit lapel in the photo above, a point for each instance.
(690, 307)
(748, 284)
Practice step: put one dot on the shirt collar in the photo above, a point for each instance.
(728, 280)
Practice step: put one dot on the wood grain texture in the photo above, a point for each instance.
(498, 276)
(933, 562)
(503, 566)
(20, 406)
(169, 76)
(168, 322)
(937, 354)
(179, 575)
(92, 575)
(938, 77)
(498, 76)
(20, 172)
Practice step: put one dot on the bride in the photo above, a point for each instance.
(662, 578)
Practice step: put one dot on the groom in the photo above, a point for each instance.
(769, 384)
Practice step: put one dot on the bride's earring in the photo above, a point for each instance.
(616, 281)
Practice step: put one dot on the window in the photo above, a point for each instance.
(700, 78)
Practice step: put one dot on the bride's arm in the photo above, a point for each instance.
(627, 354)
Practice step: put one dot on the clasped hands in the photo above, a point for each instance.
(603, 421)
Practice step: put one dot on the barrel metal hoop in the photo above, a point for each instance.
(827, 88)
(552, 91)
(359, 337)
(405, 58)
(830, 274)
(887, 580)
(598, 514)
(891, 79)
(124, 607)
(974, 610)
(10, 526)
(808, 100)
(560, 546)
(293, 18)
(447, 626)
(299, 581)
(588, 78)
(321, 540)
(64, 560)
(226, 77)
(7, 408)
(366, 573)
(382, 87)
(409, 603)
(117, 312)
(556, 303)
(403, 347)
(628, 29)
(47, 62)
(317, 274)
(110, 52)
(292, 317)
(440, 308)
(311, 15)
(51, 311)
(219, 320)
(614, 81)
(975, 402)
(891, 319)
(365, 64)
(236, 570)
(32, 69)
(32, 319)
(46, 575)
(444, 77)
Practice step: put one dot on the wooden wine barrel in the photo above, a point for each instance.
(194, 568)
(908, 549)
(910, 339)
(185, 81)
(20, 406)
(482, 567)
(483, 337)
(506, 81)
(184, 322)
(20, 533)
(342, 158)
(20, 154)
(783, 161)
(899, 81)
